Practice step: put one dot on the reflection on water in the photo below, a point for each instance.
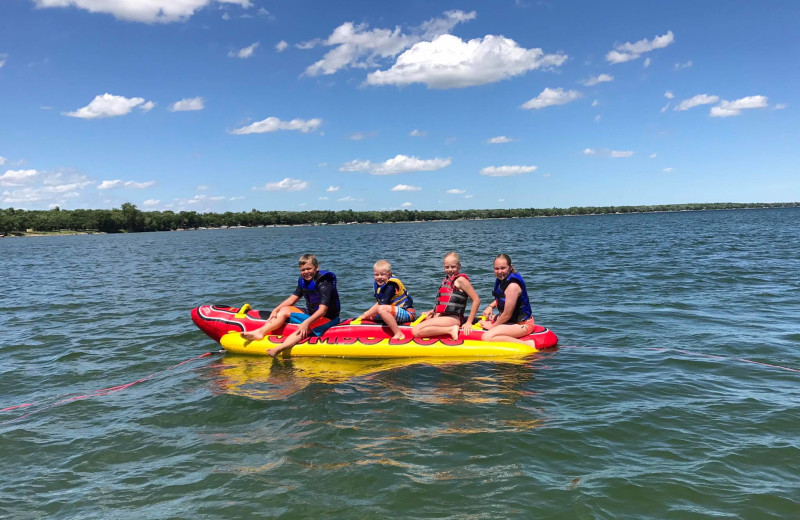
(450, 381)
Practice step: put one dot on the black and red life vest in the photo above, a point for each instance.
(451, 301)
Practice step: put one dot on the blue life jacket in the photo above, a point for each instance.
(401, 298)
(522, 310)
(311, 293)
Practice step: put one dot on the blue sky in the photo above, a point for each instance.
(297, 105)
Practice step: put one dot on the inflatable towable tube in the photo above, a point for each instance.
(365, 339)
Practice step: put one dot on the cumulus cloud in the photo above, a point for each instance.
(500, 139)
(358, 46)
(281, 46)
(244, 53)
(51, 188)
(549, 97)
(105, 185)
(331, 189)
(630, 51)
(150, 11)
(406, 205)
(449, 62)
(108, 105)
(188, 104)
(287, 184)
(506, 171)
(620, 153)
(406, 187)
(602, 78)
(349, 199)
(273, 124)
(734, 108)
(699, 99)
(151, 202)
(456, 191)
(398, 164)
(669, 95)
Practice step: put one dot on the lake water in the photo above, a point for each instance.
(675, 392)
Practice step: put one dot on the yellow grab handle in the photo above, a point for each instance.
(356, 321)
(416, 322)
(243, 311)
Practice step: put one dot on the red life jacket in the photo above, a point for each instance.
(451, 301)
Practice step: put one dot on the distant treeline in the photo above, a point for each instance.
(129, 218)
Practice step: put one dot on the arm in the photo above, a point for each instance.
(464, 285)
(512, 294)
(370, 313)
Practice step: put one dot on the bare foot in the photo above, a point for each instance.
(399, 336)
(454, 332)
(251, 335)
(273, 352)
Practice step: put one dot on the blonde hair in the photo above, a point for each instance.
(383, 265)
(305, 259)
(453, 253)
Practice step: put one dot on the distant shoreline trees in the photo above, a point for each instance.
(129, 219)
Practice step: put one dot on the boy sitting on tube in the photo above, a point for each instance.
(321, 312)
(393, 304)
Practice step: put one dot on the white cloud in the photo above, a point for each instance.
(358, 136)
(456, 191)
(273, 124)
(602, 78)
(281, 46)
(699, 99)
(322, 198)
(245, 52)
(149, 11)
(779, 106)
(653, 155)
(620, 153)
(665, 107)
(41, 188)
(331, 189)
(287, 184)
(406, 187)
(349, 199)
(3, 59)
(595, 103)
(500, 139)
(505, 171)
(679, 66)
(406, 205)
(197, 199)
(597, 118)
(17, 177)
(188, 104)
(666, 170)
(398, 164)
(669, 95)
(357, 46)
(151, 202)
(734, 108)
(647, 62)
(105, 185)
(630, 51)
(108, 105)
(417, 133)
(605, 152)
(2, 160)
(202, 187)
(449, 62)
(549, 97)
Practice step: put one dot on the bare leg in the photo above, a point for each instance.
(438, 326)
(508, 333)
(387, 315)
(288, 342)
(269, 326)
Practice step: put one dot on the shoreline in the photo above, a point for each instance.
(631, 210)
